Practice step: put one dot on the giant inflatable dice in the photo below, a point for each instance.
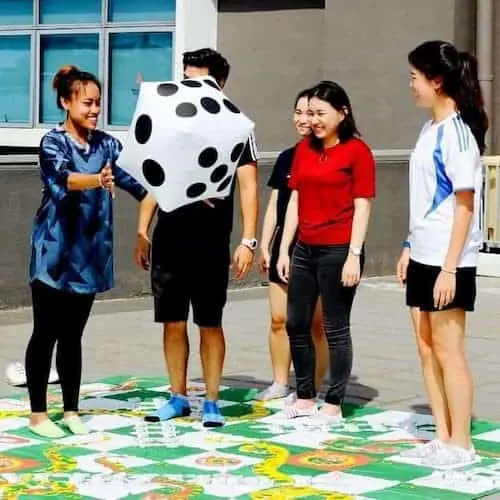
(185, 141)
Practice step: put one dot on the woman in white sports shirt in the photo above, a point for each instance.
(439, 258)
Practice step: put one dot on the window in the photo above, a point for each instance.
(66, 12)
(59, 50)
(150, 10)
(16, 12)
(135, 57)
(15, 85)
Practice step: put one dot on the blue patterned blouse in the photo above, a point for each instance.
(72, 240)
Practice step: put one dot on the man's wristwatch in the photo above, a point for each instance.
(250, 243)
(356, 251)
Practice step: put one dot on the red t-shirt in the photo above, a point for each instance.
(327, 184)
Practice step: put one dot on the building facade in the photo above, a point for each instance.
(276, 48)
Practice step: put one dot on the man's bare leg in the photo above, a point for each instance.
(176, 352)
(212, 353)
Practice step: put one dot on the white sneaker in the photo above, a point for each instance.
(274, 391)
(423, 450)
(16, 375)
(451, 456)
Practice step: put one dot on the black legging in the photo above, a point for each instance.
(316, 270)
(60, 317)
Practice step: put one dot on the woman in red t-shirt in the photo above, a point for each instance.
(333, 183)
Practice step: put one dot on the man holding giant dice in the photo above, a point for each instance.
(190, 260)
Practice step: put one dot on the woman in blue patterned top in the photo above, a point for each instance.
(72, 243)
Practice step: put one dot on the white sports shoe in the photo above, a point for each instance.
(450, 455)
(423, 450)
(16, 375)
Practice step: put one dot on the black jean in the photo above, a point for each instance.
(58, 316)
(316, 270)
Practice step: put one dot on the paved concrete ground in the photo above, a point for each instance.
(121, 339)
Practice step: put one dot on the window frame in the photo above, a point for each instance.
(28, 124)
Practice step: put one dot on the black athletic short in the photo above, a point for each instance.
(187, 272)
(420, 281)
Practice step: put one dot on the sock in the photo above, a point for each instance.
(211, 415)
(47, 429)
(176, 406)
(75, 425)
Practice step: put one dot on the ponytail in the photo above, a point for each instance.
(459, 80)
(469, 99)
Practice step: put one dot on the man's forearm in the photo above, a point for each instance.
(249, 201)
(147, 209)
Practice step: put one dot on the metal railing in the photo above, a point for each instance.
(491, 203)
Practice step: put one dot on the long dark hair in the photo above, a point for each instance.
(336, 96)
(65, 79)
(459, 80)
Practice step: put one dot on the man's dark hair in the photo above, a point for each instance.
(217, 65)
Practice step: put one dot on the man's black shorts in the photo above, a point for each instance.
(189, 271)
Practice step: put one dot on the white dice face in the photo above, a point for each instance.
(185, 141)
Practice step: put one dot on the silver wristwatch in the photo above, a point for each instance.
(355, 251)
(250, 243)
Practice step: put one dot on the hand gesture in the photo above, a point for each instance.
(106, 178)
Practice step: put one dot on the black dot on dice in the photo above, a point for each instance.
(143, 129)
(208, 157)
(229, 105)
(219, 173)
(225, 183)
(167, 89)
(212, 84)
(236, 153)
(196, 189)
(210, 105)
(186, 110)
(191, 83)
(153, 172)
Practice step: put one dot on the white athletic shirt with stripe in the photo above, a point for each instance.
(445, 160)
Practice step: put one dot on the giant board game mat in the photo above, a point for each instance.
(257, 455)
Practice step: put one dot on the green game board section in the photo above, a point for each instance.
(253, 457)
